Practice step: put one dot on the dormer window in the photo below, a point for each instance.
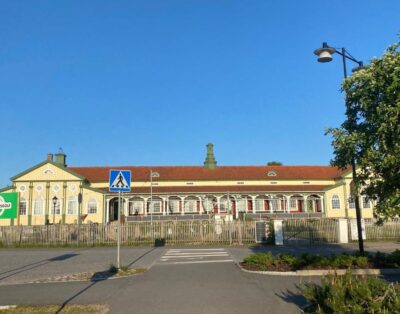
(271, 174)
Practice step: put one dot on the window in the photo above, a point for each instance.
(335, 202)
(92, 206)
(72, 206)
(135, 207)
(274, 203)
(156, 207)
(293, 204)
(55, 210)
(173, 206)
(259, 205)
(190, 206)
(271, 174)
(241, 205)
(366, 203)
(22, 207)
(38, 207)
(352, 203)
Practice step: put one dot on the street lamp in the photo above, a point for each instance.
(152, 175)
(325, 55)
(55, 199)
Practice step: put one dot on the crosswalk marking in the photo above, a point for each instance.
(195, 256)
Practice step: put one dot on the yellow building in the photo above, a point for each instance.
(52, 192)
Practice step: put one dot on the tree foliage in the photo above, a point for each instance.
(371, 131)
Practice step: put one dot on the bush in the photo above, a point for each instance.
(263, 259)
(350, 294)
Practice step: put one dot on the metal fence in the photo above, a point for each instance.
(309, 231)
(133, 233)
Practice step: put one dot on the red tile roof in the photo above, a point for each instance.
(194, 173)
(224, 189)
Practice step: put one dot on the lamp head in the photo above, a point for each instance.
(325, 53)
(55, 200)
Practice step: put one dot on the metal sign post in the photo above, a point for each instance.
(120, 181)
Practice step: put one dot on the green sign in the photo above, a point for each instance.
(8, 205)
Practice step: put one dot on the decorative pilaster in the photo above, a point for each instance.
(64, 203)
(30, 204)
(47, 202)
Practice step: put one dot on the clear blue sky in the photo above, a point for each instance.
(152, 82)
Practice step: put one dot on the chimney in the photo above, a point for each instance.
(210, 162)
(50, 157)
(61, 158)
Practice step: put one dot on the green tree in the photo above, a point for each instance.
(371, 131)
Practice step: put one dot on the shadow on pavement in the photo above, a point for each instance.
(31, 266)
(96, 278)
(293, 297)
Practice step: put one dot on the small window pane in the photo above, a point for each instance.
(22, 207)
(335, 202)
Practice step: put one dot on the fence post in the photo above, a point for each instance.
(342, 231)
(278, 231)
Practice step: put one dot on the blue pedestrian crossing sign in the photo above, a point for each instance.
(120, 181)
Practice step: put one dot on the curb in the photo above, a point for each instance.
(324, 272)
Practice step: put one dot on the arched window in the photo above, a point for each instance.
(22, 206)
(173, 204)
(92, 206)
(352, 203)
(38, 206)
(335, 202)
(190, 205)
(135, 206)
(72, 206)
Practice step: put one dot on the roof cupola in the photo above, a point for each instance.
(61, 158)
(210, 162)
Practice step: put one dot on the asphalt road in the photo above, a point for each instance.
(180, 280)
(205, 286)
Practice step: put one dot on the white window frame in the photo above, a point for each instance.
(89, 209)
(173, 206)
(260, 203)
(72, 203)
(22, 211)
(241, 205)
(275, 204)
(136, 205)
(366, 203)
(352, 203)
(293, 204)
(155, 204)
(335, 201)
(36, 202)
(190, 206)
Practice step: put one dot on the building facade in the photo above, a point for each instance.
(52, 192)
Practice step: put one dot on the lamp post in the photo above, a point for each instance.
(152, 175)
(325, 55)
(55, 199)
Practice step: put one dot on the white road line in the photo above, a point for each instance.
(208, 261)
(179, 250)
(195, 256)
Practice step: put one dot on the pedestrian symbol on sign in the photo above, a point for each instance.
(120, 182)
